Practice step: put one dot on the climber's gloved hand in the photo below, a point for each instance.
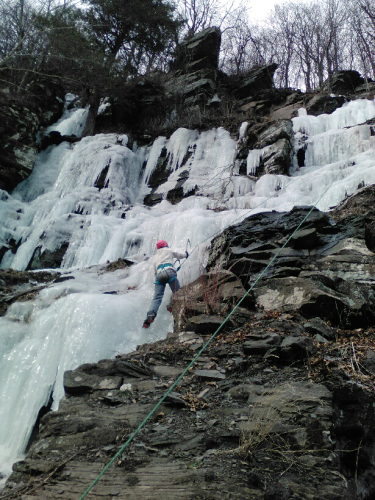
(187, 255)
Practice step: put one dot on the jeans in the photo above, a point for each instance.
(162, 278)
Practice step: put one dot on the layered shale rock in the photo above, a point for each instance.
(322, 269)
(280, 403)
(243, 422)
(19, 124)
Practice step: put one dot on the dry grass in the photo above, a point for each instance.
(345, 355)
(278, 425)
(205, 296)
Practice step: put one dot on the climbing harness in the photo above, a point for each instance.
(163, 277)
(162, 266)
(161, 272)
(143, 423)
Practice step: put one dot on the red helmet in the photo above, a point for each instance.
(161, 244)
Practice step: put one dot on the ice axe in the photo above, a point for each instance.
(178, 260)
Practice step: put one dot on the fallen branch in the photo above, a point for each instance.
(39, 484)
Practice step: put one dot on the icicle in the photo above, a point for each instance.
(242, 130)
(253, 161)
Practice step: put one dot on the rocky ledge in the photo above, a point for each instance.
(20, 121)
(22, 285)
(280, 404)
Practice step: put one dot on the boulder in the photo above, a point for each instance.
(243, 392)
(344, 81)
(275, 158)
(353, 269)
(260, 344)
(287, 112)
(200, 50)
(269, 228)
(54, 138)
(296, 348)
(261, 251)
(324, 103)
(320, 339)
(205, 324)
(281, 129)
(175, 399)
(193, 87)
(312, 298)
(320, 327)
(153, 199)
(244, 267)
(76, 382)
(34, 467)
(349, 247)
(305, 238)
(257, 79)
(326, 271)
(369, 361)
(47, 259)
(118, 367)
(200, 86)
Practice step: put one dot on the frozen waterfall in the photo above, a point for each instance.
(90, 195)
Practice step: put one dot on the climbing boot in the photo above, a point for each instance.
(150, 319)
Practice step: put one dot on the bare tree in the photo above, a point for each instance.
(44, 39)
(313, 41)
(281, 32)
(362, 23)
(236, 49)
(199, 14)
(240, 42)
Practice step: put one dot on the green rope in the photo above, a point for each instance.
(125, 445)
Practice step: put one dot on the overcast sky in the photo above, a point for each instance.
(260, 8)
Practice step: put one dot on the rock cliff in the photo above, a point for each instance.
(280, 403)
(20, 124)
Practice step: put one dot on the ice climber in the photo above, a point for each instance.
(165, 272)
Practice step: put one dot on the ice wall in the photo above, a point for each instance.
(90, 194)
